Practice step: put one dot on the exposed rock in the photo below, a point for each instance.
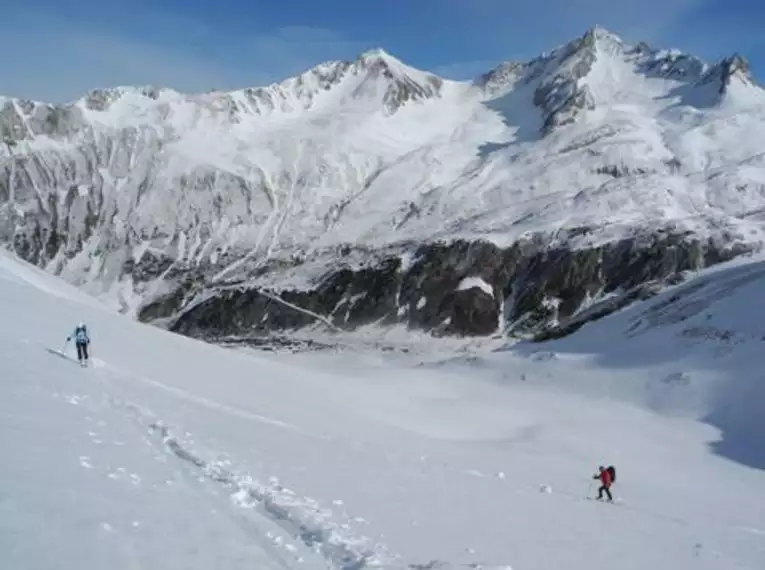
(620, 170)
(150, 266)
(721, 75)
(530, 290)
(169, 304)
(600, 310)
(274, 343)
(474, 312)
(401, 87)
(560, 97)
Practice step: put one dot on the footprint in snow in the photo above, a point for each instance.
(116, 474)
(544, 356)
(85, 462)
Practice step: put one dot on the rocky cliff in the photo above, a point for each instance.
(457, 288)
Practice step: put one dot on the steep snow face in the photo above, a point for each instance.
(597, 134)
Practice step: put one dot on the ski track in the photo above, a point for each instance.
(274, 545)
(300, 518)
(188, 396)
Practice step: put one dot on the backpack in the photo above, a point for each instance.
(612, 471)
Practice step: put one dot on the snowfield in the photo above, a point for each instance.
(170, 453)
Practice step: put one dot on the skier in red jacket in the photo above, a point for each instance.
(605, 483)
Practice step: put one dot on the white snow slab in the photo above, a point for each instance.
(475, 282)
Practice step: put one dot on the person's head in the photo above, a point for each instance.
(601, 469)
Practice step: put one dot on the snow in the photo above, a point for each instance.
(170, 453)
(475, 282)
(326, 159)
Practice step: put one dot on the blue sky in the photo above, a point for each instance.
(58, 49)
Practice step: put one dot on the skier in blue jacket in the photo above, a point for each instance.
(81, 340)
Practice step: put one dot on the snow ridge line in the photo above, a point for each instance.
(302, 519)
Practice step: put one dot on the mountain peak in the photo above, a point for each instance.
(378, 58)
(601, 40)
(400, 84)
(598, 32)
(732, 77)
(737, 65)
(376, 53)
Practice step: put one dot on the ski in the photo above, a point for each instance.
(58, 353)
(65, 356)
(614, 502)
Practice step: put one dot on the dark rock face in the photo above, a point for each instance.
(150, 266)
(561, 98)
(474, 312)
(169, 304)
(348, 298)
(435, 276)
(569, 278)
(525, 290)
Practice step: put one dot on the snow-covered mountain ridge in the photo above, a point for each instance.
(586, 171)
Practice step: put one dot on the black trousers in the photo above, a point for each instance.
(607, 492)
(82, 350)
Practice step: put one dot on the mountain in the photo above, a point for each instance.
(370, 192)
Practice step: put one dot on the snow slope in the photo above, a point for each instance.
(597, 133)
(170, 453)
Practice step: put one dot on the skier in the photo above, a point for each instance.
(81, 340)
(606, 477)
